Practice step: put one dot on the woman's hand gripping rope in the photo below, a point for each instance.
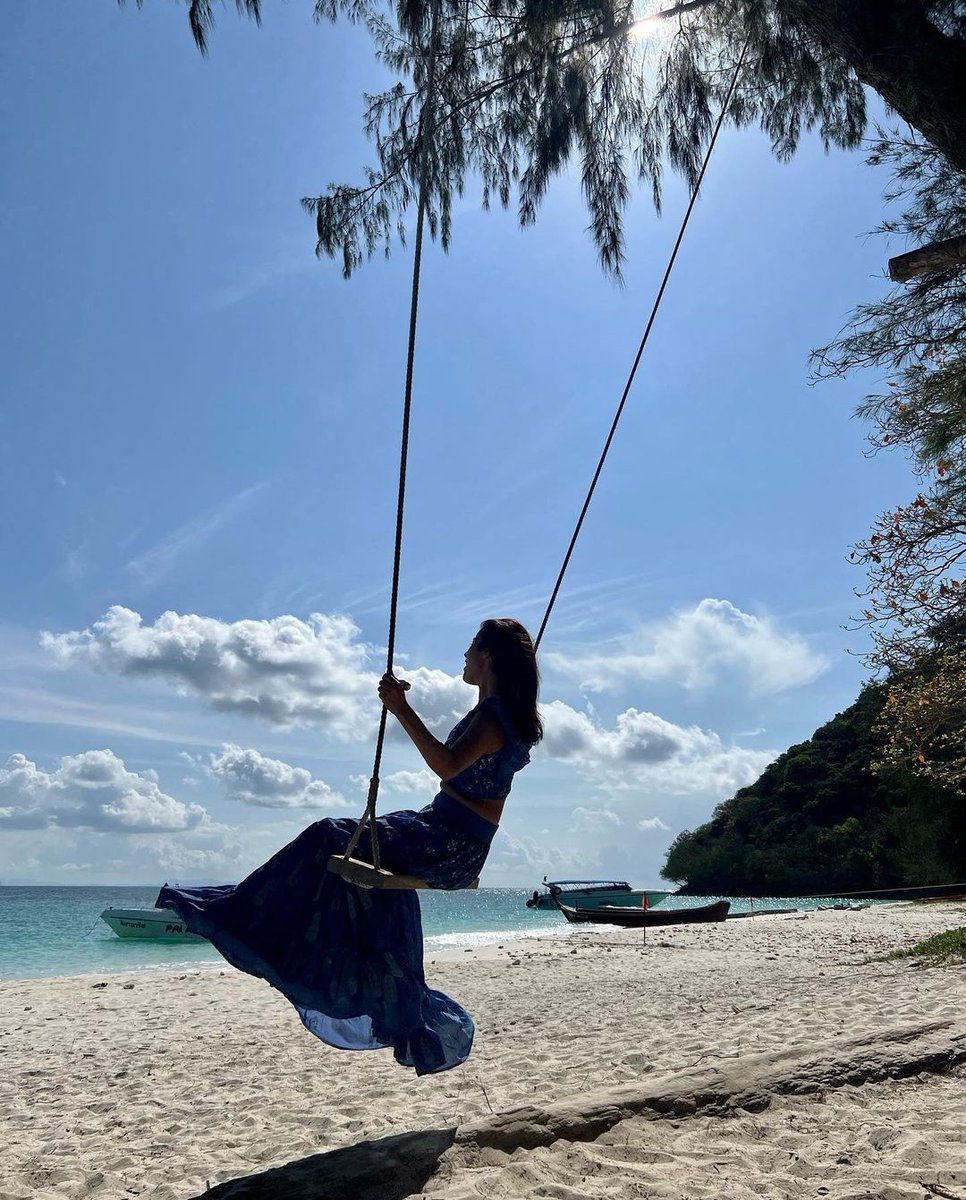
(392, 692)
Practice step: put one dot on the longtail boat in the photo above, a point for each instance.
(643, 918)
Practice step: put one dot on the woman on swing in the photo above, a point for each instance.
(351, 959)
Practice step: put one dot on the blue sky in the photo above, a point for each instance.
(201, 429)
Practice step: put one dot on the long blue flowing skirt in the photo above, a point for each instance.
(350, 959)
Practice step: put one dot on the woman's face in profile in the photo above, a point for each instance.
(474, 663)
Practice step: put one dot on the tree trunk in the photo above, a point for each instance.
(895, 50)
(947, 255)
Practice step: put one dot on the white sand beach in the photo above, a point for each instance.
(771, 1057)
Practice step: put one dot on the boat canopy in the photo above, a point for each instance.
(616, 885)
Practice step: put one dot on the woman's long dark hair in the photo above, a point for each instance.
(514, 663)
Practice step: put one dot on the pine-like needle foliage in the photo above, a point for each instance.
(527, 87)
(201, 17)
(914, 603)
(916, 553)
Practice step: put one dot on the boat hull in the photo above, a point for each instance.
(629, 918)
(157, 924)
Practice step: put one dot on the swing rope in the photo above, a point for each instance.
(366, 874)
(640, 350)
(426, 139)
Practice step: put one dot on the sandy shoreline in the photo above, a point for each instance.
(159, 1085)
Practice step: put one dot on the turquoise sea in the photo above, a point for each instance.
(57, 930)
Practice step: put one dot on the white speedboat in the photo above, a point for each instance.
(162, 924)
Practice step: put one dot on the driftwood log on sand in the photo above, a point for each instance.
(396, 1167)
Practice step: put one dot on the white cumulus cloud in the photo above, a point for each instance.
(215, 852)
(93, 790)
(521, 857)
(593, 820)
(643, 751)
(439, 698)
(284, 671)
(423, 783)
(699, 647)
(176, 857)
(252, 778)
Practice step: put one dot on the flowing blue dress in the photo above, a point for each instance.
(350, 959)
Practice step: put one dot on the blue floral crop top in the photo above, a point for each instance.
(491, 775)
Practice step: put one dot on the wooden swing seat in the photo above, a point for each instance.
(364, 874)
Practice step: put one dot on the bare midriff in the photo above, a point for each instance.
(489, 808)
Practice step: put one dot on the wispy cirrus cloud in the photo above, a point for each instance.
(45, 706)
(153, 564)
(73, 568)
(289, 260)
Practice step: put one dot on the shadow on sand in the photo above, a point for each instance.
(396, 1167)
(387, 1169)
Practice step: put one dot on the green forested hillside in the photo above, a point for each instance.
(819, 820)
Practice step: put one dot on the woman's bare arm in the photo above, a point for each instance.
(483, 735)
